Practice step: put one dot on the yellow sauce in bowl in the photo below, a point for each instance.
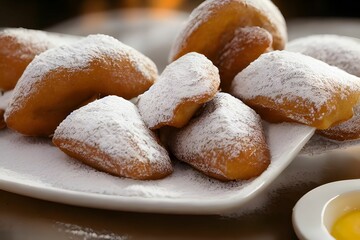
(347, 227)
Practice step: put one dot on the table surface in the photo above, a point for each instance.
(27, 218)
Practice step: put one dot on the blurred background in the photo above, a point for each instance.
(150, 26)
(41, 14)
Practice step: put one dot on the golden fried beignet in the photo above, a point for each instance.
(286, 86)
(225, 141)
(214, 24)
(19, 46)
(339, 51)
(246, 46)
(342, 52)
(180, 90)
(108, 134)
(61, 79)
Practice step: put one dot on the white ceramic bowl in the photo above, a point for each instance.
(315, 213)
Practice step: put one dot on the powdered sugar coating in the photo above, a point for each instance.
(282, 76)
(113, 126)
(340, 51)
(205, 11)
(189, 79)
(19, 46)
(35, 41)
(246, 37)
(224, 127)
(74, 57)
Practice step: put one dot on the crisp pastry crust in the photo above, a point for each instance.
(179, 92)
(62, 79)
(246, 46)
(108, 134)
(225, 140)
(285, 86)
(215, 26)
(342, 52)
(19, 46)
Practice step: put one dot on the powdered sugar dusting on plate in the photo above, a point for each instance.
(321, 145)
(73, 231)
(188, 79)
(37, 163)
(114, 127)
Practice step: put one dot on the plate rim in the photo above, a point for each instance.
(154, 204)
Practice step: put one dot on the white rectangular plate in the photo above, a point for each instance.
(34, 167)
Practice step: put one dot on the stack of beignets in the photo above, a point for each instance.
(232, 34)
(225, 140)
(65, 78)
(231, 46)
